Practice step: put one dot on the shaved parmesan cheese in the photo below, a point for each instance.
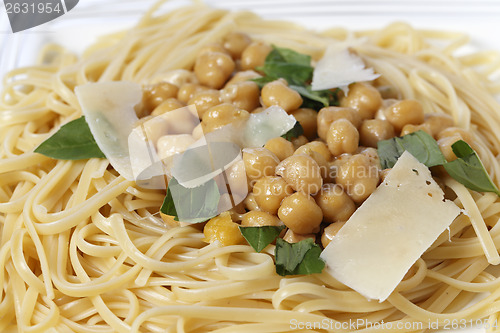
(339, 68)
(109, 111)
(388, 233)
(265, 125)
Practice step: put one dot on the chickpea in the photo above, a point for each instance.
(278, 93)
(373, 158)
(222, 228)
(235, 43)
(258, 110)
(243, 76)
(374, 130)
(167, 105)
(327, 115)
(259, 162)
(322, 163)
(307, 118)
(269, 191)
(213, 69)
(358, 177)
(302, 173)
(330, 232)
(317, 146)
(438, 122)
(300, 141)
(236, 179)
(254, 55)
(156, 94)
(300, 213)
(259, 219)
(342, 137)
(212, 47)
(335, 204)
(364, 98)
(220, 115)
(244, 95)
(204, 100)
(187, 91)
(404, 112)
(280, 147)
(410, 128)
(292, 237)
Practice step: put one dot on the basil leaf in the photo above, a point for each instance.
(281, 54)
(298, 258)
(313, 98)
(192, 205)
(73, 141)
(311, 263)
(292, 73)
(261, 81)
(288, 64)
(296, 131)
(260, 237)
(296, 69)
(468, 169)
(420, 144)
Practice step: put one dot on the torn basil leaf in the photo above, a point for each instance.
(296, 69)
(284, 63)
(260, 237)
(468, 169)
(73, 141)
(420, 144)
(296, 131)
(316, 99)
(298, 258)
(192, 205)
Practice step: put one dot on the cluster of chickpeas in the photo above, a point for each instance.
(313, 183)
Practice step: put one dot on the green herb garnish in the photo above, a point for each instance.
(467, 169)
(191, 205)
(294, 132)
(296, 69)
(420, 144)
(298, 258)
(316, 99)
(73, 141)
(260, 237)
(284, 63)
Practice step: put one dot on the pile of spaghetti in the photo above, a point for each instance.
(83, 249)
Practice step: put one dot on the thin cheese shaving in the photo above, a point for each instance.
(339, 68)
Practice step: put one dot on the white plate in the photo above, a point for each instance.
(91, 18)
